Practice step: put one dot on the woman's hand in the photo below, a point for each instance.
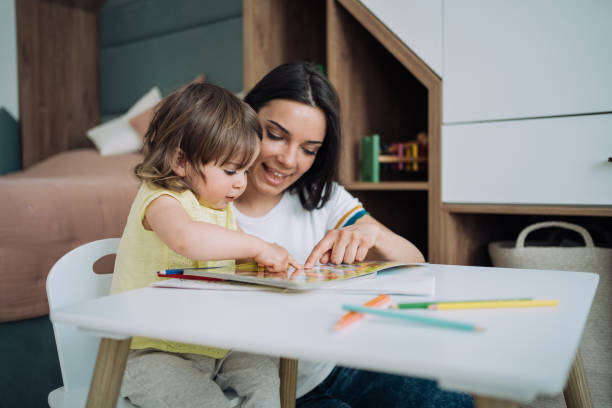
(354, 243)
(275, 258)
(346, 245)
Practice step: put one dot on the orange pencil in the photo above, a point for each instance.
(351, 317)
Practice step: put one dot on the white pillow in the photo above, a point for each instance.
(118, 136)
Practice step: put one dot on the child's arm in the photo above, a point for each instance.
(208, 242)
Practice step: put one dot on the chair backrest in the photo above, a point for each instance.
(72, 280)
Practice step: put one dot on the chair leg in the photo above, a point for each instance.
(576, 392)
(108, 373)
(288, 381)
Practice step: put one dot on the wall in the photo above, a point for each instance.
(8, 58)
(156, 42)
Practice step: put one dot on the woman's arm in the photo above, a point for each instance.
(367, 238)
(208, 242)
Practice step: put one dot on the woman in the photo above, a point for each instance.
(292, 199)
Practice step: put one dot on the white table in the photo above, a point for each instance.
(521, 354)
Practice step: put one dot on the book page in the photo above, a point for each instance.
(299, 279)
(392, 281)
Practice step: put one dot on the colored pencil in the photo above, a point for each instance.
(180, 273)
(489, 305)
(425, 305)
(352, 317)
(448, 324)
(183, 271)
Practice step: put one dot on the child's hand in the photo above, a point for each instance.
(275, 258)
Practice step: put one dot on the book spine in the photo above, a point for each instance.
(370, 149)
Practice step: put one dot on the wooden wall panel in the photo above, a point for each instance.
(58, 77)
(280, 31)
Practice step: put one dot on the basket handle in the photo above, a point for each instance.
(520, 241)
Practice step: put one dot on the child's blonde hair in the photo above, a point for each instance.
(208, 123)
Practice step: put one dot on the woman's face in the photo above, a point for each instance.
(292, 134)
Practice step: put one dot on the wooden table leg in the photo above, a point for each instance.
(487, 402)
(576, 392)
(288, 381)
(108, 373)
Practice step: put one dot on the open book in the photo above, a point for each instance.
(320, 276)
(359, 278)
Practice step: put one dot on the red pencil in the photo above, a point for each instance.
(178, 273)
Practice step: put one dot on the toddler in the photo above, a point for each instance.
(198, 147)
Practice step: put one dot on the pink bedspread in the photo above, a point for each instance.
(67, 200)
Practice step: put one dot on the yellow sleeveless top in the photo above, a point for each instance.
(141, 254)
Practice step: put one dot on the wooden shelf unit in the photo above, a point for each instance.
(506, 209)
(468, 229)
(383, 87)
(279, 31)
(389, 185)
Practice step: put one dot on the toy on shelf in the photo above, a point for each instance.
(404, 160)
(398, 161)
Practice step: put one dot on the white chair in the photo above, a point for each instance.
(72, 280)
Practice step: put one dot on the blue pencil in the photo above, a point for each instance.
(181, 271)
(413, 318)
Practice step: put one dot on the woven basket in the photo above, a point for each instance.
(588, 258)
(596, 346)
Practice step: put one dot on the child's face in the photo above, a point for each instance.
(220, 184)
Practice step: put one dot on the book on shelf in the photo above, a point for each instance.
(370, 148)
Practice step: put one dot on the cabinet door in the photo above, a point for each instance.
(538, 161)
(518, 59)
(418, 23)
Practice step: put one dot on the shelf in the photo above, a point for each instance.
(395, 159)
(389, 185)
(594, 211)
(383, 87)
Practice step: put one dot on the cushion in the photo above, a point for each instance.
(117, 136)
(200, 79)
(140, 122)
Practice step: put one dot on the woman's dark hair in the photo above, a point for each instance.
(303, 82)
(208, 123)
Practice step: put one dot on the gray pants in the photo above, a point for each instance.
(156, 379)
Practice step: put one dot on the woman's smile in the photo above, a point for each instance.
(273, 176)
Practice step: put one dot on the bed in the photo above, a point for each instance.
(56, 205)
(147, 49)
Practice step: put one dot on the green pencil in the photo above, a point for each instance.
(413, 318)
(425, 305)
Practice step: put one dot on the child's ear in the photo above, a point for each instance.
(178, 162)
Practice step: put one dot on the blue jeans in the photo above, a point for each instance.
(351, 388)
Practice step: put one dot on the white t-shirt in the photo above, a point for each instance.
(291, 226)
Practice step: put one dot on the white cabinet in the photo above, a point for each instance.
(517, 59)
(558, 161)
(417, 23)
